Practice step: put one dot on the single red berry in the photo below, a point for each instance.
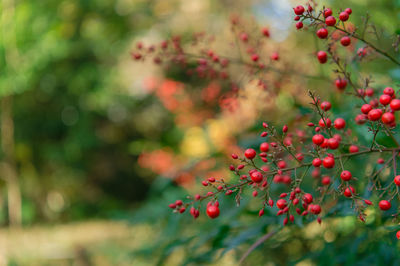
(368, 202)
(255, 193)
(285, 129)
(300, 157)
(388, 118)
(265, 32)
(389, 91)
(178, 203)
(317, 162)
(296, 18)
(374, 114)
(366, 108)
(326, 106)
(182, 210)
(349, 192)
(328, 162)
(327, 12)
(395, 104)
(318, 139)
(345, 41)
(398, 234)
(348, 11)
(397, 180)
(385, 99)
(361, 119)
(256, 177)
(380, 161)
(330, 21)
(345, 175)
(281, 203)
(353, 149)
(275, 56)
(369, 92)
(325, 122)
(322, 33)
(282, 164)
(341, 83)
(264, 147)
(299, 25)
(344, 16)
(326, 180)
(307, 198)
(255, 57)
(264, 134)
(339, 123)
(298, 10)
(333, 143)
(385, 205)
(172, 205)
(316, 209)
(250, 153)
(212, 211)
(261, 212)
(234, 156)
(322, 57)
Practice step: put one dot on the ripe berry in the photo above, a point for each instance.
(172, 205)
(374, 114)
(256, 177)
(281, 203)
(296, 18)
(265, 32)
(316, 209)
(255, 57)
(328, 162)
(361, 119)
(322, 57)
(299, 25)
(353, 149)
(318, 139)
(275, 56)
(327, 12)
(282, 164)
(317, 162)
(212, 211)
(398, 234)
(330, 21)
(349, 192)
(369, 92)
(343, 16)
(250, 153)
(366, 108)
(323, 121)
(385, 205)
(322, 33)
(264, 147)
(388, 118)
(397, 180)
(395, 104)
(333, 143)
(345, 41)
(389, 91)
(326, 180)
(326, 106)
(261, 212)
(298, 10)
(348, 11)
(380, 161)
(341, 83)
(234, 156)
(307, 198)
(339, 123)
(345, 175)
(385, 99)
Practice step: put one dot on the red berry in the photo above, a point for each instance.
(255, 57)
(385, 205)
(344, 16)
(361, 119)
(275, 56)
(339, 123)
(385, 99)
(212, 211)
(322, 57)
(333, 143)
(234, 156)
(299, 25)
(353, 149)
(182, 210)
(317, 162)
(328, 162)
(323, 121)
(330, 21)
(261, 212)
(380, 161)
(369, 92)
(389, 91)
(368, 202)
(327, 12)
(349, 192)
(397, 180)
(296, 18)
(374, 114)
(281, 203)
(345, 175)
(172, 205)
(322, 33)
(395, 104)
(345, 41)
(250, 153)
(348, 11)
(341, 83)
(282, 164)
(326, 180)
(265, 32)
(366, 108)
(307, 198)
(388, 118)
(318, 139)
(298, 10)
(398, 234)
(256, 177)
(326, 106)
(264, 147)
(316, 209)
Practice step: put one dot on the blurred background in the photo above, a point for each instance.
(94, 144)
